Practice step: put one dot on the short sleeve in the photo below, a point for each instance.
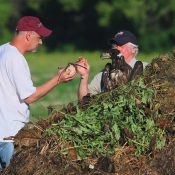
(21, 77)
(95, 85)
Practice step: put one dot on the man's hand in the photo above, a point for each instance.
(66, 74)
(82, 67)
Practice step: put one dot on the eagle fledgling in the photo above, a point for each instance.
(118, 71)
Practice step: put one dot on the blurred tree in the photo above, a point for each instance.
(88, 24)
(5, 11)
(153, 21)
(69, 5)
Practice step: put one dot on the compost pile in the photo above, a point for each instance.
(127, 131)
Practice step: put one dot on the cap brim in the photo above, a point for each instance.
(113, 41)
(43, 31)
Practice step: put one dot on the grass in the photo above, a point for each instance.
(44, 65)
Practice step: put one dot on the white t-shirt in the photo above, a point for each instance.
(95, 85)
(15, 86)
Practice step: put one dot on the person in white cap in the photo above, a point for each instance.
(17, 91)
(126, 43)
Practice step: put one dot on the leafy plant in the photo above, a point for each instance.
(111, 119)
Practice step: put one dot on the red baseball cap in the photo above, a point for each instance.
(31, 23)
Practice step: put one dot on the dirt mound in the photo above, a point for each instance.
(128, 131)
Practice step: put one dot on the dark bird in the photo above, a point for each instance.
(137, 71)
(118, 72)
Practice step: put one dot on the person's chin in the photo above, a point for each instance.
(34, 50)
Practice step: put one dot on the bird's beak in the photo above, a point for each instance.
(105, 56)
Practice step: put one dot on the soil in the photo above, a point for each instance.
(34, 155)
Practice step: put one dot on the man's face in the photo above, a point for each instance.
(126, 50)
(34, 41)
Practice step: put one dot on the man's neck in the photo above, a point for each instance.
(18, 44)
(129, 59)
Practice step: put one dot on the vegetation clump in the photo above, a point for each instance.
(119, 117)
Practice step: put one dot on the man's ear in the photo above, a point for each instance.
(28, 36)
(134, 50)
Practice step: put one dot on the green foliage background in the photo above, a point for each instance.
(87, 24)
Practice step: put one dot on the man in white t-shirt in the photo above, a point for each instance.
(126, 43)
(17, 91)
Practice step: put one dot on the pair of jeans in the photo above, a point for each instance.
(6, 153)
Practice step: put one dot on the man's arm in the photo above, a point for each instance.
(83, 87)
(83, 68)
(42, 90)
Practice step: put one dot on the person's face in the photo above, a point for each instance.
(126, 50)
(34, 41)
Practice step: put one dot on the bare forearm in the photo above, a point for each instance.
(64, 75)
(83, 88)
(42, 90)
